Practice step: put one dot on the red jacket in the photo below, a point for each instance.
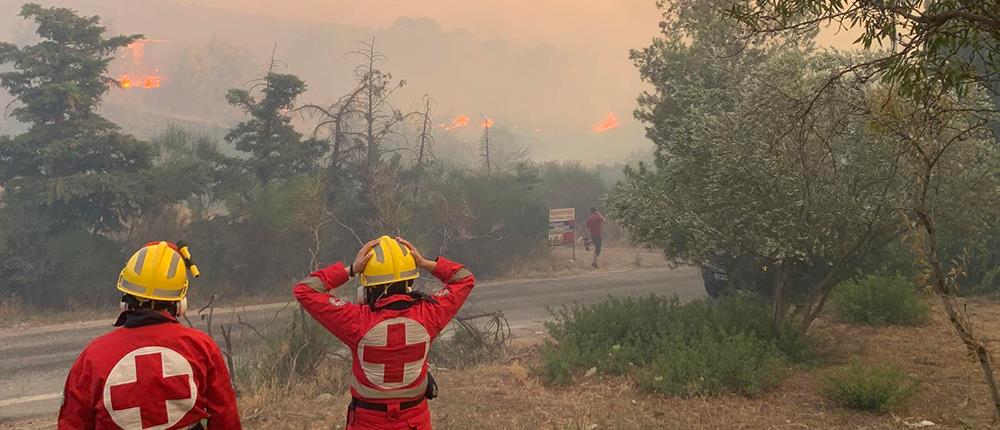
(594, 222)
(152, 373)
(389, 347)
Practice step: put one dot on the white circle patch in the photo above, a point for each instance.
(393, 352)
(150, 388)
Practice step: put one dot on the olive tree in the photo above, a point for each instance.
(740, 171)
(951, 44)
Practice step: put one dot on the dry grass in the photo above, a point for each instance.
(14, 314)
(11, 311)
(311, 404)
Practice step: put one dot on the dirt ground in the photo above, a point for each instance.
(508, 394)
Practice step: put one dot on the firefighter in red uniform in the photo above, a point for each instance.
(151, 372)
(389, 330)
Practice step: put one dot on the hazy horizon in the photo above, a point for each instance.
(549, 73)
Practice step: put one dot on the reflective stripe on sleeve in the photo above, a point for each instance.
(314, 283)
(460, 275)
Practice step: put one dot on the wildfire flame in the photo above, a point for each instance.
(609, 123)
(146, 82)
(488, 123)
(458, 122)
(139, 77)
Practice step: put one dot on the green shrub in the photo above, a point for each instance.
(712, 364)
(686, 349)
(875, 388)
(879, 300)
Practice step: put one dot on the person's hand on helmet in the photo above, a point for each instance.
(422, 262)
(364, 255)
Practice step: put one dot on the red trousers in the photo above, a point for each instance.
(415, 418)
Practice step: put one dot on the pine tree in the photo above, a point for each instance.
(72, 168)
(276, 150)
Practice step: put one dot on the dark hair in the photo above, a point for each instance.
(373, 294)
(593, 209)
(133, 303)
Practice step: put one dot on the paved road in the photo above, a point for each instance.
(34, 361)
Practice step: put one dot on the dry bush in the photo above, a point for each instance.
(11, 311)
(466, 343)
(285, 353)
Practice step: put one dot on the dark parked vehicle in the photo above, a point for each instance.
(751, 274)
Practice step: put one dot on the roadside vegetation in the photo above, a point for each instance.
(819, 167)
(687, 349)
(869, 387)
(880, 300)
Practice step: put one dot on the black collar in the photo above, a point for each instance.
(402, 302)
(143, 317)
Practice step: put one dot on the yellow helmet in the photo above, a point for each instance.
(392, 262)
(155, 272)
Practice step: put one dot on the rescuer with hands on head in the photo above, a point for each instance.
(389, 328)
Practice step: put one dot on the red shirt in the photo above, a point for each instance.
(163, 375)
(594, 222)
(389, 347)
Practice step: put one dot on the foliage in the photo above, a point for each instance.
(48, 89)
(711, 365)
(72, 166)
(976, 243)
(875, 388)
(287, 351)
(950, 43)
(73, 181)
(810, 200)
(276, 247)
(879, 300)
(35, 260)
(276, 150)
(570, 185)
(945, 137)
(488, 220)
(688, 349)
(983, 264)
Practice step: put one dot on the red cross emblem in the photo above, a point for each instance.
(150, 388)
(393, 352)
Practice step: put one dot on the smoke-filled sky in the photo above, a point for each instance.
(608, 23)
(548, 71)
